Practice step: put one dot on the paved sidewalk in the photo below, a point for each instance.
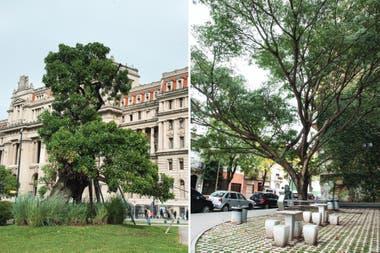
(183, 235)
(201, 222)
(359, 232)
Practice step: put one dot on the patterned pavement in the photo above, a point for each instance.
(359, 231)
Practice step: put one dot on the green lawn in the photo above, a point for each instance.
(106, 238)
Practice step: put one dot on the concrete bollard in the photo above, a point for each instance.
(316, 218)
(306, 216)
(310, 233)
(330, 205)
(269, 224)
(334, 219)
(281, 235)
(236, 216)
(244, 213)
(336, 205)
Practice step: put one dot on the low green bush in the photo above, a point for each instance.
(116, 211)
(5, 212)
(20, 209)
(101, 215)
(77, 214)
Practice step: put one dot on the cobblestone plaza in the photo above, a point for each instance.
(359, 231)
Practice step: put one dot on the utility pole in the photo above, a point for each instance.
(19, 162)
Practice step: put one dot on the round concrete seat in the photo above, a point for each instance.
(306, 216)
(310, 233)
(316, 218)
(281, 235)
(334, 219)
(269, 224)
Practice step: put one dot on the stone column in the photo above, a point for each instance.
(175, 135)
(152, 151)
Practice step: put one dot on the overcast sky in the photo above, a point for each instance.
(147, 34)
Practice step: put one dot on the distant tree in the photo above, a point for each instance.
(8, 182)
(82, 149)
(317, 53)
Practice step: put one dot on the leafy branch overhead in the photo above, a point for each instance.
(323, 61)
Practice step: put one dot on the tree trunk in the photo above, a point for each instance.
(302, 184)
(70, 187)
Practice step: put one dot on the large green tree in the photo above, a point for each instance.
(319, 55)
(82, 149)
(8, 182)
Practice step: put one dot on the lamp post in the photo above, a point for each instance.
(19, 162)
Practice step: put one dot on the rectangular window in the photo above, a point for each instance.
(170, 126)
(138, 98)
(38, 151)
(139, 115)
(170, 104)
(147, 96)
(169, 86)
(170, 164)
(147, 114)
(181, 142)
(171, 143)
(179, 83)
(131, 117)
(181, 102)
(181, 123)
(181, 164)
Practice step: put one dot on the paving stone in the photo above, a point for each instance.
(359, 232)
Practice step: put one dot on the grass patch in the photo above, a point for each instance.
(103, 238)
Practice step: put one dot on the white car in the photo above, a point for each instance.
(226, 200)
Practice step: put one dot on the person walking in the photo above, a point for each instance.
(148, 215)
(161, 213)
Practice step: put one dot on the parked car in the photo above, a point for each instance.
(263, 199)
(199, 204)
(226, 200)
(310, 196)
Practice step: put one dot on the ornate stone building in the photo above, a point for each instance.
(159, 109)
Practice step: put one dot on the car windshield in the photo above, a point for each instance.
(217, 194)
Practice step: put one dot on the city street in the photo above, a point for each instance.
(200, 222)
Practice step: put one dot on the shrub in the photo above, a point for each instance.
(101, 215)
(5, 212)
(20, 209)
(77, 214)
(54, 211)
(116, 211)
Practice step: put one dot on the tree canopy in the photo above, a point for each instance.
(321, 56)
(8, 182)
(82, 149)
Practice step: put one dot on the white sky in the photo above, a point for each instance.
(199, 14)
(150, 35)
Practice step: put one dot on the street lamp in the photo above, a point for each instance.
(19, 162)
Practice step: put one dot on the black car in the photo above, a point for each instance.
(264, 199)
(199, 204)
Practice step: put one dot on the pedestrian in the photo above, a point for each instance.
(187, 214)
(162, 213)
(175, 214)
(148, 215)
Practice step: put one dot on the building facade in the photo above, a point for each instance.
(158, 109)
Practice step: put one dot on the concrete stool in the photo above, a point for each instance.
(334, 219)
(236, 216)
(297, 232)
(316, 218)
(310, 233)
(306, 216)
(281, 235)
(269, 224)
